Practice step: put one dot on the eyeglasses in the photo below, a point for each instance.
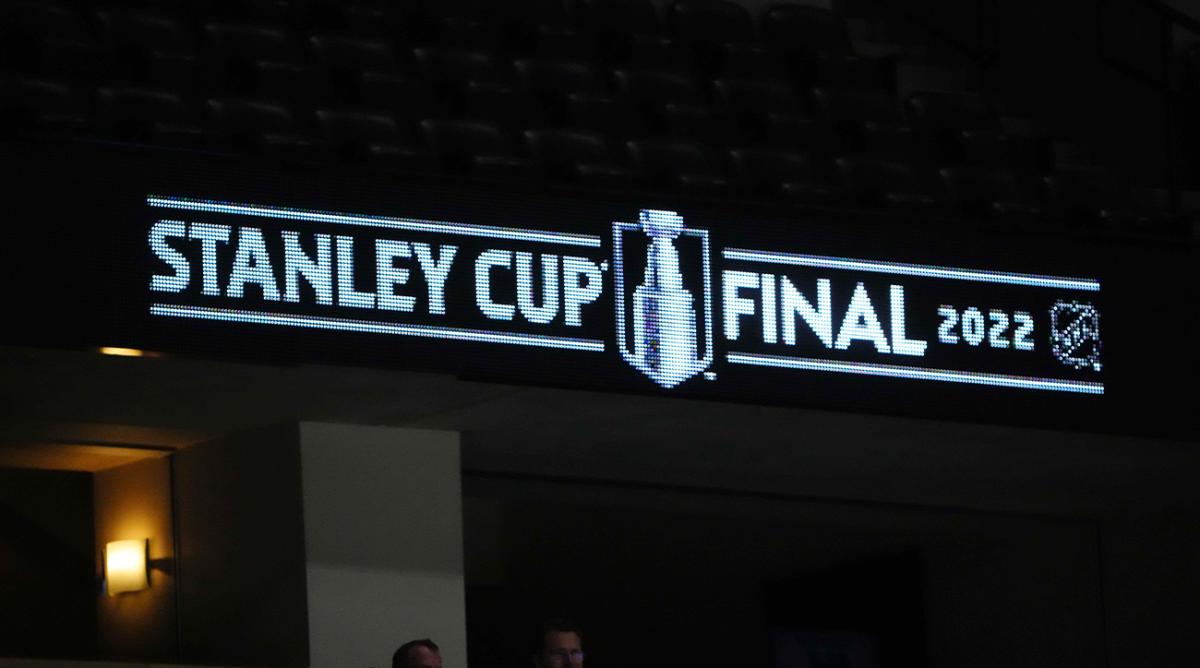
(563, 655)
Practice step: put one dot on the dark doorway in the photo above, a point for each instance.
(668, 578)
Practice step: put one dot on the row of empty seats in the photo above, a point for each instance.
(489, 24)
(938, 128)
(699, 98)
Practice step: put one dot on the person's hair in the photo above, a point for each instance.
(559, 625)
(401, 659)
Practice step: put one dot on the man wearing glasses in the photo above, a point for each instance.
(562, 645)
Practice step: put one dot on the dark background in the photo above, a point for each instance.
(1094, 70)
(86, 267)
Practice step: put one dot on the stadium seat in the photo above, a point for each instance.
(989, 147)
(615, 117)
(560, 150)
(943, 116)
(81, 60)
(249, 42)
(397, 156)
(665, 161)
(350, 18)
(877, 181)
(130, 112)
(295, 82)
(175, 69)
(563, 41)
(1093, 197)
(38, 94)
(512, 106)
(988, 192)
(508, 167)
(297, 147)
(422, 18)
(701, 123)
(187, 135)
(40, 21)
(470, 32)
(144, 31)
(457, 142)
(711, 21)
(554, 79)
(379, 19)
(528, 13)
(803, 132)
(353, 53)
(232, 48)
(246, 121)
(856, 105)
(844, 70)
(754, 95)
(897, 141)
(657, 87)
(606, 175)
(278, 12)
(402, 94)
(750, 59)
(772, 171)
(620, 16)
(453, 66)
(353, 129)
(711, 185)
(130, 38)
(46, 39)
(951, 110)
(847, 110)
(657, 52)
(39, 103)
(436, 9)
(808, 29)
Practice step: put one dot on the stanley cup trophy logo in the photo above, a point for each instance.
(666, 325)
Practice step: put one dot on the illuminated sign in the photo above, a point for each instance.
(650, 292)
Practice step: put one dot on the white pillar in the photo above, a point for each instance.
(383, 541)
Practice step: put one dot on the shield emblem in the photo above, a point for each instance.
(1075, 334)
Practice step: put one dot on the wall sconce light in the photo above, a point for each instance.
(122, 352)
(125, 566)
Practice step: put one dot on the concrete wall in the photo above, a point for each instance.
(134, 502)
(383, 535)
(319, 544)
(241, 550)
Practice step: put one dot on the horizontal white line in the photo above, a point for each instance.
(981, 275)
(916, 373)
(370, 327)
(408, 224)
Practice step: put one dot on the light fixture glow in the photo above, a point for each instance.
(125, 566)
(122, 352)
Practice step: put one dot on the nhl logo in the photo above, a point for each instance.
(1075, 334)
(667, 331)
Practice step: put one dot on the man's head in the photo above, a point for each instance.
(561, 645)
(421, 653)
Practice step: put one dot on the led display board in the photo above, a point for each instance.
(608, 290)
(669, 300)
